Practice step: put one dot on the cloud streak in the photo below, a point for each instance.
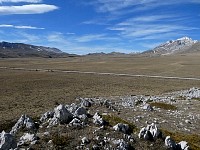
(27, 9)
(18, 1)
(111, 6)
(19, 27)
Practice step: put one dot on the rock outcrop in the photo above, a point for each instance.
(151, 132)
(124, 128)
(24, 122)
(98, 120)
(7, 141)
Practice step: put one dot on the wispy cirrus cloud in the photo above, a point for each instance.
(148, 30)
(18, 1)
(91, 37)
(118, 5)
(19, 27)
(27, 9)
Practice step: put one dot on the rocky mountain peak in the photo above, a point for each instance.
(173, 46)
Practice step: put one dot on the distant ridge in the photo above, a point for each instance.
(106, 54)
(181, 45)
(13, 50)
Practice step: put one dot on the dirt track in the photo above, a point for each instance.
(103, 73)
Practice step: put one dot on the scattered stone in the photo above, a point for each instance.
(148, 107)
(7, 141)
(27, 139)
(76, 122)
(121, 144)
(61, 115)
(191, 93)
(97, 119)
(46, 116)
(170, 143)
(85, 140)
(188, 121)
(124, 128)
(95, 147)
(184, 145)
(46, 134)
(72, 108)
(23, 122)
(85, 103)
(129, 137)
(151, 132)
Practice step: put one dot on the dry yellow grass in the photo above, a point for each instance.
(192, 139)
(34, 92)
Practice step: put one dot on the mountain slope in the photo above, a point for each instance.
(184, 44)
(10, 50)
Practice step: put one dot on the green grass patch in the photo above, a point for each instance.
(113, 120)
(198, 99)
(192, 139)
(163, 106)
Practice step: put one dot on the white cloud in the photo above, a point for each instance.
(24, 37)
(57, 37)
(127, 5)
(91, 37)
(151, 26)
(18, 27)
(27, 9)
(18, 1)
(95, 37)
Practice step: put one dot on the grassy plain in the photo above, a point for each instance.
(35, 92)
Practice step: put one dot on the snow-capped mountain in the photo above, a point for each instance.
(173, 46)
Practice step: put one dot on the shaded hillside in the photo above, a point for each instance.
(13, 50)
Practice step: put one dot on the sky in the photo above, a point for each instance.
(93, 26)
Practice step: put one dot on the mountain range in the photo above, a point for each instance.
(14, 50)
(178, 46)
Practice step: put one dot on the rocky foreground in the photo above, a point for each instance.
(168, 121)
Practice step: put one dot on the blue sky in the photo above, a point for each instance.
(88, 26)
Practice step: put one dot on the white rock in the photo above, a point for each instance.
(7, 141)
(85, 140)
(46, 134)
(76, 122)
(85, 103)
(121, 144)
(188, 121)
(23, 122)
(150, 132)
(61, 115)
(72, 108)
(121, 127)
(170, 143)
(142, 132)
(191, 93)
(97, 119)
(184, 145)
(27, 138)
(148, 107)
